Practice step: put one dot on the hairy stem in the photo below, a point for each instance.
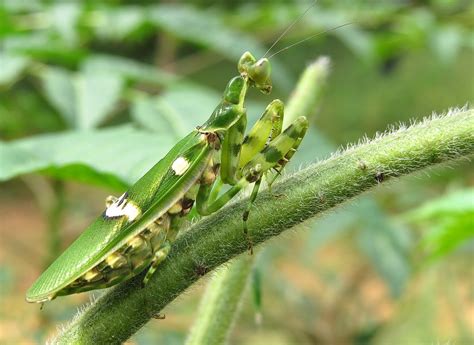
(123, 310)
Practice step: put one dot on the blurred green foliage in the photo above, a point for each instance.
(97, 92)
(452, 222)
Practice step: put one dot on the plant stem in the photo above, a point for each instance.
(220, 303)
(306, 97)
(123, 310)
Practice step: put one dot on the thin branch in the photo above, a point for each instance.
(216, 239)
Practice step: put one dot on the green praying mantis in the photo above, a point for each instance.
(135, 231)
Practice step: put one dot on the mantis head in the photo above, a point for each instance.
(257, 71)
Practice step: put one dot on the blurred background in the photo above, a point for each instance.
(92, 94)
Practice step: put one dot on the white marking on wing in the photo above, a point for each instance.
(123, 207)
(180, 165)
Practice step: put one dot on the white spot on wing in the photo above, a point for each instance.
(123, 207)
(180, 165)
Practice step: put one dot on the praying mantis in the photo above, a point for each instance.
(135, 231)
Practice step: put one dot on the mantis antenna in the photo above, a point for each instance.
(310, 37)
(290, 26)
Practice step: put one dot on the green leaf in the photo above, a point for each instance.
(21, 5)
(64, 17)
(126, 68)
(117, 23)
(59, 90)
(451, 221)
(448, 235)
(85, 174)
(42, 45)
(84, 100)
(11, 67)
(451, 205)
(179, 109)
(111, 157)
(150, 113)
(207, 27)
(97, 94)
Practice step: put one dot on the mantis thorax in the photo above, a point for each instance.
(228, 112)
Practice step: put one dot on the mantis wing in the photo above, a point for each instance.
(153, 194)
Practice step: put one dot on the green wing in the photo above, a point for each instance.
(155, 192)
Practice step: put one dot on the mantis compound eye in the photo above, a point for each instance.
(258, 72)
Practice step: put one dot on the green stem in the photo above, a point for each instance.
(216, 239)
(306, 97)
(220, 303)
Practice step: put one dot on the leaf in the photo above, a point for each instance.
(150, 113)
(41, 45)
(59, 90)
(20, 6)
(452, 222)
(451, 205)
(85, 99)
(126, 68)
(97, 94)
(64, 17)
(85, 174)
(110, 157)
(180, 108)
(118, 22)
(204, 27)
(12, 66)
(448, 235)
(194, 103)
(207, 27)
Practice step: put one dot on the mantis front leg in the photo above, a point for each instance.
(274, 155)
(236, 152)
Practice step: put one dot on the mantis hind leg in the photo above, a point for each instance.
(158, 258)
(163, 250)
(236, 152)
(246, 213)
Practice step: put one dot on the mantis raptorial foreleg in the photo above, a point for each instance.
(236, 152)
(267, 128)
(274, 155)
